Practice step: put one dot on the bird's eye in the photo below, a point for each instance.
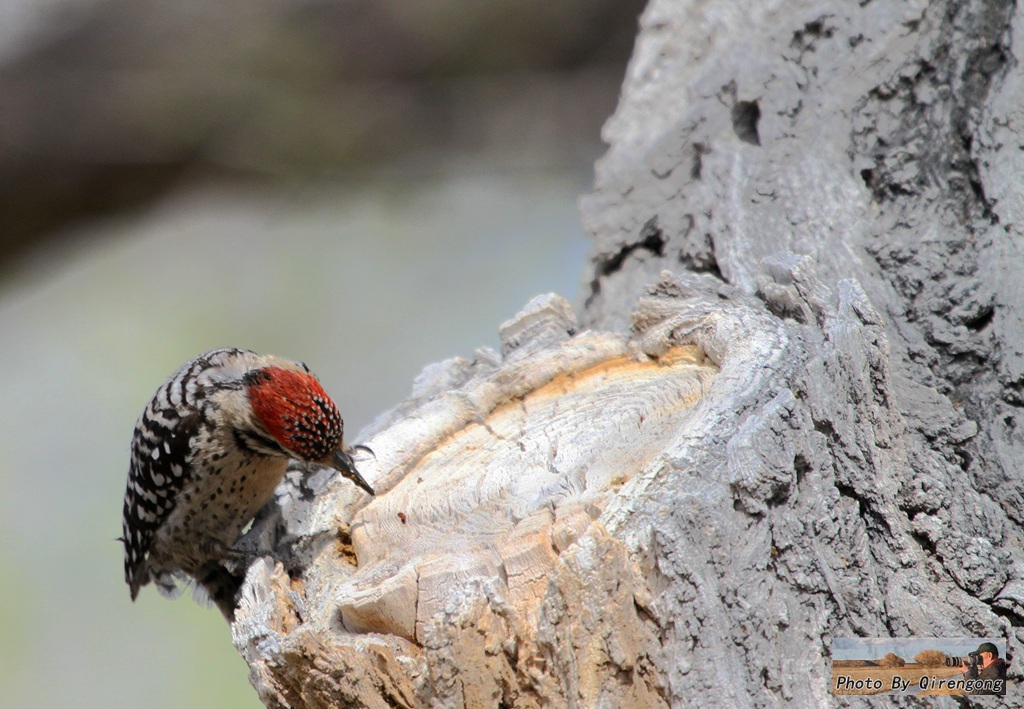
(255, 376)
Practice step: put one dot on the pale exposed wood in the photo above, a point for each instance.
(522, 457)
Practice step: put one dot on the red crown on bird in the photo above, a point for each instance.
(296, 411)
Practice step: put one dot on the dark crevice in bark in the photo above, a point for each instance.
(651, 240)
(745, 117)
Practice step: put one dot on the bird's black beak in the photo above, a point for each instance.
(343, 463)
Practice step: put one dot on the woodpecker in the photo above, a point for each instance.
(207, 453)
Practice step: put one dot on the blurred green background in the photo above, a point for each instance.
(367, 186)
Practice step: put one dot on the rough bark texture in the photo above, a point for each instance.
(794, 413)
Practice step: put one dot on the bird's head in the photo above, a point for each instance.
(288, 405)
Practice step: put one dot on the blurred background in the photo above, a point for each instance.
(369, 186)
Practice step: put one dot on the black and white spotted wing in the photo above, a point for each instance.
(160, 457)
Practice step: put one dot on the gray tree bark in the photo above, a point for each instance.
(790, 411)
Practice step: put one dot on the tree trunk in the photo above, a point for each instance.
(791, 413)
